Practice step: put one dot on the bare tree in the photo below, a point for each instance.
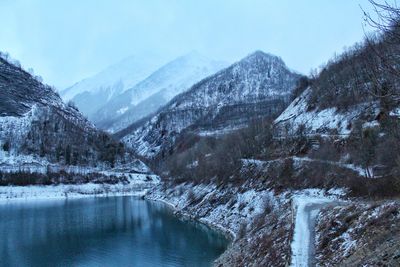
(383, 65)
(386, 20)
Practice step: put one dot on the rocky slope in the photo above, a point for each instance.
(257, 86)
(155, 91)
(359, 234)
(340, 134)
(40, 134)
(254, 217)
(261, 222)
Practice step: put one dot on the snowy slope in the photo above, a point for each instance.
(328, 121)
(37, 128)
(92, 93)
(26, 102)
(256, 86)
(23, 98)
(155, 91)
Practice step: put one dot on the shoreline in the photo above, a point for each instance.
(228, 233)
(59, 192)
(12, 194)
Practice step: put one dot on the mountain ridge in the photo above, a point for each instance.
(34, 121)
(258, 85)
(156, 90)
(93, 92)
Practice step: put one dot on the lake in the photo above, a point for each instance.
(110, 231)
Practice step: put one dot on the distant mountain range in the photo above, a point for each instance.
(137, 87)
(255, 87)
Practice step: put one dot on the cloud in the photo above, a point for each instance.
(68, 40)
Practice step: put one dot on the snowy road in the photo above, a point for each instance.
(303, 245)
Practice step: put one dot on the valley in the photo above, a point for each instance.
(253, 162)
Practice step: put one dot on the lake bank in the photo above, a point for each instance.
(62, 191)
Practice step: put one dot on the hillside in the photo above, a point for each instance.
(353, 102)
(255, 87)
(40, 134)
(155, 91)
(316, 184)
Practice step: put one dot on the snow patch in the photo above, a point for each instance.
(122, 110)
(395, 112)
(319, 121)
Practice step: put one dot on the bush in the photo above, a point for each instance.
(191, 196)
(72, 105)
(259, 221)
(242, 230)
(6, 146)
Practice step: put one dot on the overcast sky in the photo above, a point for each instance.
(65, 41)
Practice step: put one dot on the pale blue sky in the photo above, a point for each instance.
(65, 41)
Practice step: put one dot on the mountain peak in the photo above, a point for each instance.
(194, 53)
(258, 53)
(260, 56)
(193, 57)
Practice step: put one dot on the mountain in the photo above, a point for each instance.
(92, 93)
(332, 158)
(351, 109)
(155, 91)
(257, 86)
(38, 130)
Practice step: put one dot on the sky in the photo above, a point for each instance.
(65, 41)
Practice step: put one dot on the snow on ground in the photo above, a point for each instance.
(395, 112)
(8, 193)
(298, 160)
(370, 124)
(10, 163)
(308, 204)
(16, 128)
(229, 209)
(220, 131)
(122, 110)
(138, 175)
(137, 139)
(360, 233)
(319, 121)
(26, 163)
(206, 204)
(254, 162)
(361, 171)
(138, 185)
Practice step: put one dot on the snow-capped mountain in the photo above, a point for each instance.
(256, 86)
(92, 93)
(155, 91)
(34, 121)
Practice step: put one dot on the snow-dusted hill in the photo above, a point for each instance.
(92, 93)
(24, 99)
(256, 86)
(155, 91)
(328, 121)
(38, 128)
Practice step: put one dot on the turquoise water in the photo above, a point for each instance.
(113, 231)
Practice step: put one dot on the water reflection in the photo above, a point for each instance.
(116, 231)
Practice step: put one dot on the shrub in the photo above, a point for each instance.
(242, 230)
